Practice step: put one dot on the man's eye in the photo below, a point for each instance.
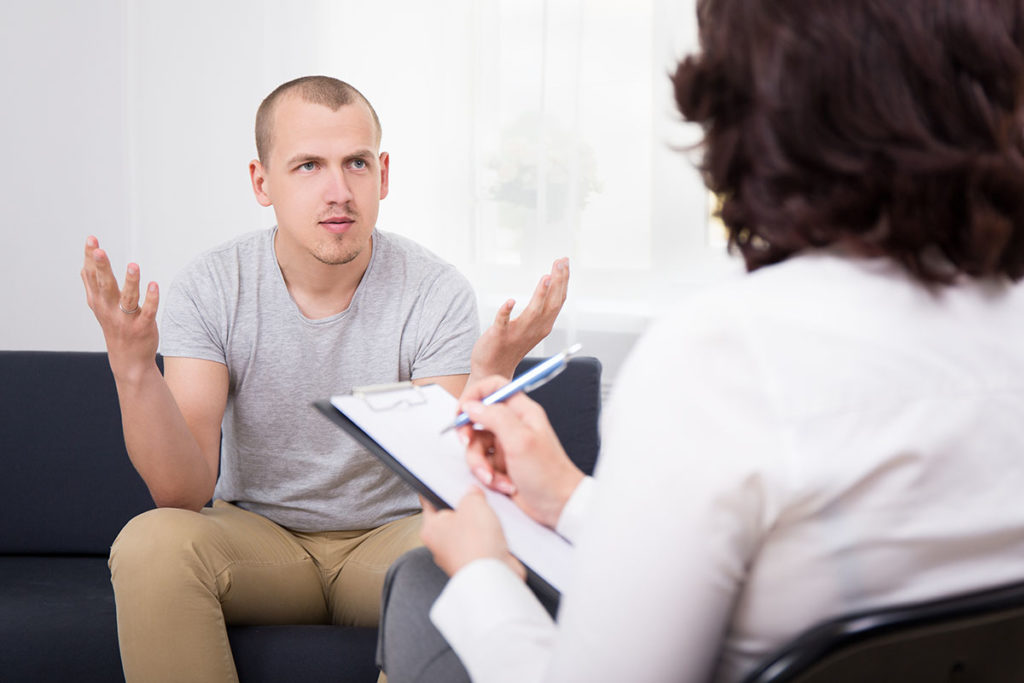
(359, 164)
(308, 166)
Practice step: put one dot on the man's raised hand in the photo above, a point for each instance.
(508, 340)
(129, 325)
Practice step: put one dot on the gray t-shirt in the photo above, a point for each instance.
(412, 316)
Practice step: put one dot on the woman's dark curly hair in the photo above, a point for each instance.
(890, 127)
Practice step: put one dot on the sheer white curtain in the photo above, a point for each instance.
(519, 130)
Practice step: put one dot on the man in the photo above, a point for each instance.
(305, 523)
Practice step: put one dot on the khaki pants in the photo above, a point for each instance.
(179, 577)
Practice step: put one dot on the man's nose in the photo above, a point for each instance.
(337, 190)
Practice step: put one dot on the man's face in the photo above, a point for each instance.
(324, 178)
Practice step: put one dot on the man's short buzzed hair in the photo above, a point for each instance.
(324, 90)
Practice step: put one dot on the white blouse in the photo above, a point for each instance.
(822, 436)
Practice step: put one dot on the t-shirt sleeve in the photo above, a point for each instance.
(447, 327)
(192, 323)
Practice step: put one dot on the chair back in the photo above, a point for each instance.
(572, 401)
(972, 638)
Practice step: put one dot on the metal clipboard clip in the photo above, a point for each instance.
(389, 396)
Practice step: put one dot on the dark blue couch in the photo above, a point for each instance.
(67, 489)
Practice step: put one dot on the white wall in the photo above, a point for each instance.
(63, 173)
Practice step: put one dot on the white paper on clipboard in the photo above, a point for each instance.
(406, 422)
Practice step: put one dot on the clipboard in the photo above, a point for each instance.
(401, 425)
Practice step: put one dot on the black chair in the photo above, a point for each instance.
(972, 638)
(572, 401)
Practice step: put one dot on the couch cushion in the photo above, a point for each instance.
(58, 620)
(67, 484)
(59, 625)
(311, 654)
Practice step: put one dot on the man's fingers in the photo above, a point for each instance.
(106, 284)
(152, 302)
(130, 290)
(537, 301)
(559, 288)
(101, 286)
(87, 281)
(91, 243)
(89, 271)
(549, 295)
(503, 314)
(555, 288)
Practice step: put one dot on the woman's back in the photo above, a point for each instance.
(828, 435)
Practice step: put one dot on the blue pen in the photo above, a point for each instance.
(538, 375)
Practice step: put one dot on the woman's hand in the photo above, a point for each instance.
(469, 532)
(512, 449)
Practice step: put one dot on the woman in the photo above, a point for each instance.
(842, 428)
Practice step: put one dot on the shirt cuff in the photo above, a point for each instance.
(571, 521)
(493, 622)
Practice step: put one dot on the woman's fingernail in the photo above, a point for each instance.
(463, 439)
(506, 487)
(484, 475)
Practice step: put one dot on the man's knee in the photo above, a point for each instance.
(159, 542)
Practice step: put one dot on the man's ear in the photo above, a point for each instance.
(258, 176)
(384, 166)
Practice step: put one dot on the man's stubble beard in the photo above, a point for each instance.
(328, 256)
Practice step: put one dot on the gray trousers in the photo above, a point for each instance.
(409, 648)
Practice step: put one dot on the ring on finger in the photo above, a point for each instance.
(126, 311)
